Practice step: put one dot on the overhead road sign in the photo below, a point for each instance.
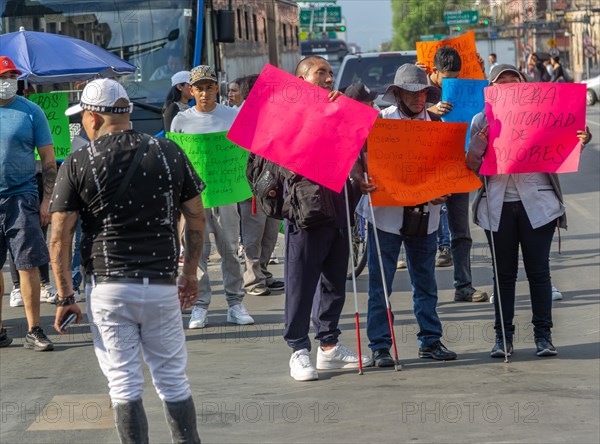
(461, 18)
(334, 15)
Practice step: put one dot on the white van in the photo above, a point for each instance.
(374, 69)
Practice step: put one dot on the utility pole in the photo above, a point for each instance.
(588, 20)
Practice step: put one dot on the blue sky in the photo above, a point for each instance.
(369, 22)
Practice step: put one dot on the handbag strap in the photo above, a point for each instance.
(125, 182)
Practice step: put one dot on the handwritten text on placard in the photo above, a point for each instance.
(413, 162)
(54, 106)
(464, 44)
(220, 163)
(533, 127)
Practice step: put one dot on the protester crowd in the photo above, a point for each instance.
(136, 202)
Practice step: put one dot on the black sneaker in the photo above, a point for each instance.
(438, 351)
(498, 350)
(37, 340)
(276, 285)
(5, 341)
(382, 358)
(544, 347)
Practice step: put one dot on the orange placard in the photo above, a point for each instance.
(413, 161)
(464, 44)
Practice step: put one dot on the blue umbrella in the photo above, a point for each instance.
(54, 58)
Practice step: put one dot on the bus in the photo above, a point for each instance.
(333, 50)
(161, 37)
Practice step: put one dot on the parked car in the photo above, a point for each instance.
(593, 90)
(374, 69)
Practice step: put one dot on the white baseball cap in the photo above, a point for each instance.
(100, 96)
(180, 77)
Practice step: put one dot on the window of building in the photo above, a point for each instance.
(255, 23)
(265, 29)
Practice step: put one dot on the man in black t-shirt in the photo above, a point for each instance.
(130, 250)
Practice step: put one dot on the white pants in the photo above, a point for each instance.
(125, 318)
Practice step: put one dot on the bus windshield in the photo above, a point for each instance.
(153, 35)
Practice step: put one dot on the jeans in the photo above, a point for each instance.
(460, 244)
(514, 230)
(443, 232)
(420, 258)
(21, 233)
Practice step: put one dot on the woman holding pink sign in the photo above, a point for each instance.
(518, 210)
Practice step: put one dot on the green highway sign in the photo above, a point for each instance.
(461, 18)
(431, 37)
(334, 15)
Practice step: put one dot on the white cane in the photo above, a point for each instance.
(397, 365)
(495, 268)
(360, 369)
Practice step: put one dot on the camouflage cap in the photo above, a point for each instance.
(202, 72)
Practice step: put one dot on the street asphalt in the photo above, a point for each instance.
(244, 393)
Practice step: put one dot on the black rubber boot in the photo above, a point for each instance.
(181, 418)
(131, 422)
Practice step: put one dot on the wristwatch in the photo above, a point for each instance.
(63, 302)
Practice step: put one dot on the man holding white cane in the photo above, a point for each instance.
(410, 93)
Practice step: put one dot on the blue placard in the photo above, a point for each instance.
(466, 97)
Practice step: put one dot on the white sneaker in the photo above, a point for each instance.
(556, 295)
(339, 357)
(492, 298)
(199, 317)
(48, 294)
(237, 314)
(301, 369)
(16, 300)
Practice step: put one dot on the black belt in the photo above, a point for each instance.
(130, 280)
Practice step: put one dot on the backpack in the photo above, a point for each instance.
(266, 180)
(308, 204)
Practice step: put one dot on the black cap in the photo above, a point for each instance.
(360, 92)
(498, 70)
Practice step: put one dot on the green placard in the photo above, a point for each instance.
(220, 163)
(54, 106)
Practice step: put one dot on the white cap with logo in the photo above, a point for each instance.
(100, 96)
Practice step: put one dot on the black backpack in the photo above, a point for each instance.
(308, 204)
(266, 181)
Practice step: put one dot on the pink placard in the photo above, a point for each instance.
(533, 127)
(292, 123)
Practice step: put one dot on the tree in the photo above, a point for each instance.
(413, 18)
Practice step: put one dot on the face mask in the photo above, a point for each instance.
(8, 89)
